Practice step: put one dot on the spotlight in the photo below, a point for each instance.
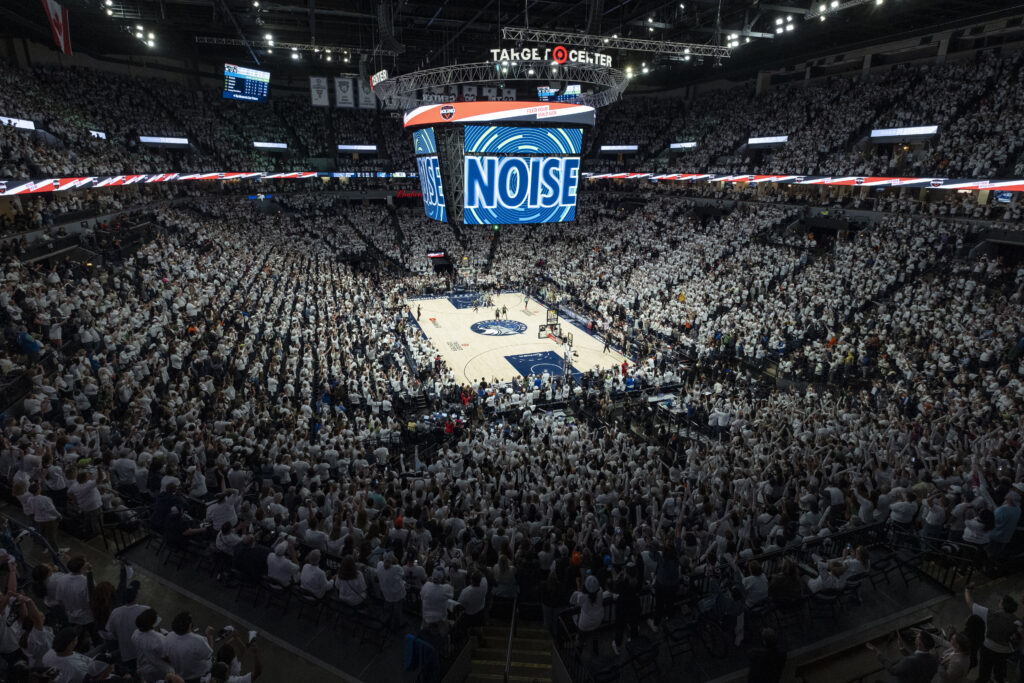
(327, 51)
(151, 36)
(255, 3)
(645, 69)
(269, 51)
(328, 58)
(778, 21)
(138, 34)
(779, 29)
(138, 27)
(295, 55)
(110, 12)
(110, 3)
(822, 17)
(650, 19)
(530, 72)
(821, 7)
(270, 43)
(606, 40)
(150, 43)
(835, 3)
(268, 37)
(789, 27)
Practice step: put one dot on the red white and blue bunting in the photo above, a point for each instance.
(866, 181)
(20, 187)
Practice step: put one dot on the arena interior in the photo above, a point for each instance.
(568, 341)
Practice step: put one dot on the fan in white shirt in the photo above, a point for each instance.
(312, 577)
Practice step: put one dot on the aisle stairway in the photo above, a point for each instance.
(531, 655)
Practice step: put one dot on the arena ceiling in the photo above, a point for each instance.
(406, 35)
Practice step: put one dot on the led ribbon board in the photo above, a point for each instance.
(429, 171)
(513, 188)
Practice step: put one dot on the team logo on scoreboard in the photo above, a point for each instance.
(936, 182)
(447, 111)
(858, 181)
(498, 328)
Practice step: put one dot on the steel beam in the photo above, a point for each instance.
(281, 45)
(401, 92)
(665, 47)
(814, 13)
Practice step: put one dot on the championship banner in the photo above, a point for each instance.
(58, 17)
(490, 92)
(469, 93)
(318, 91)
(344, 92)
(508, 94)
(367, 100)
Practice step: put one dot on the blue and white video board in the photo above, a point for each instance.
(506, 190)
(520, 175)
(430, 174)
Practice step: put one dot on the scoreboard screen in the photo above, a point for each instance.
(241, 83)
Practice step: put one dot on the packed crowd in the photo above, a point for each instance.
(976, 104)
(236, 351)
(238, 365)
(975, 101)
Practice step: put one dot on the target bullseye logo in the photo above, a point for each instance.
(560, 54)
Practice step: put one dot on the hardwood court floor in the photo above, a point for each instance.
(475, 347)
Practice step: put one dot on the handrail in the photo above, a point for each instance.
(511, 635)
(55, 557)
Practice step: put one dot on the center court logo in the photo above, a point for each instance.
(498, 328)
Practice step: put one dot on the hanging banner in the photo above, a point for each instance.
(58, 17)
(469, 93)
(367, 100)
(318, 91)
(344, 92)
(490, 92)
(508, 94)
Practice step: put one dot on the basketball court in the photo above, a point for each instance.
(477, 346)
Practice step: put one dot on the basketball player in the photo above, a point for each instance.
(526, 301)
(607, 344)
(419, 310)
(504, 312)
(497, 313)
